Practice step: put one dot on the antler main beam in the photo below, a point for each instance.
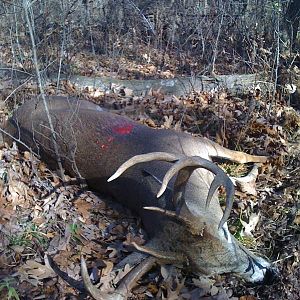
(184, 166)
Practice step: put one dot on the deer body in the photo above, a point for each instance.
(94, 143)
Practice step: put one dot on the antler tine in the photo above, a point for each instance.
(177, 218)
(229, 187)
(217, 182)
(192, 163)
(125, 285)
(94, 292)
(143, 158)
(129, 281)
(179, 187)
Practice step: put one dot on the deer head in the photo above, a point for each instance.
(199, 240)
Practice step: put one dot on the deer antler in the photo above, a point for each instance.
(141, 159)
(125, 285)
(184, 166)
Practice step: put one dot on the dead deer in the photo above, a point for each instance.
(182, 216)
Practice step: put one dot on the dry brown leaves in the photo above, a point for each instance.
(39, 215)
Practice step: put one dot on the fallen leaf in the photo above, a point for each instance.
(36, 271)
(83, 207)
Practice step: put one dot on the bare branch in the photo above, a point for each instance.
(27, 5)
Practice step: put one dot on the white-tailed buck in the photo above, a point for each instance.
(135, 165)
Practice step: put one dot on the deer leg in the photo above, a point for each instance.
(215, 150)
(246, 184)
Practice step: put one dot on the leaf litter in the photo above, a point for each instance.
(41, 215)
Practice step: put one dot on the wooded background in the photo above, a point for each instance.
(203, 36)
(111, 50)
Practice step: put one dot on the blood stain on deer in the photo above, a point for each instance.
(124, 129)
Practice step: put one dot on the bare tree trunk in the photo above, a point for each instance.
(276, 60)
(215, 52)
(292, 19)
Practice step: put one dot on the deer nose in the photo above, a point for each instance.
(271, 276)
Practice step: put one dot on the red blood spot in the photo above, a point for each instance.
(126, 129)
(105, 146)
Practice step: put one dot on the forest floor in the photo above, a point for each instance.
(40, 215)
